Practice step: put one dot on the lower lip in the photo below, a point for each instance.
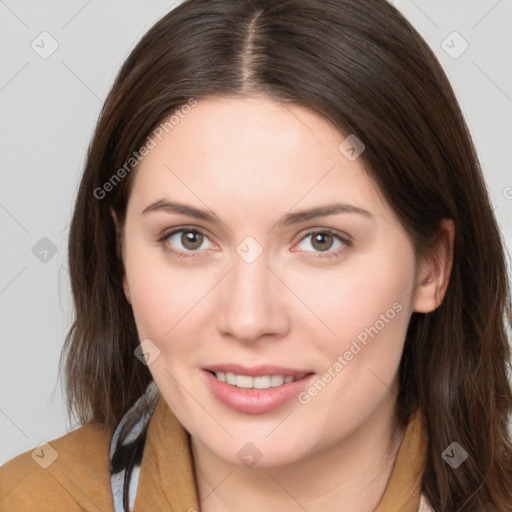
(255, 401)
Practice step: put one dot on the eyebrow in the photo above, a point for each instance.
(296, 217)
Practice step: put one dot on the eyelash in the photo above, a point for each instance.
(191, 254)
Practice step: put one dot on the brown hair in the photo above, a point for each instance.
(366, 70)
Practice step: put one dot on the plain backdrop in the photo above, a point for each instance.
(58, 61)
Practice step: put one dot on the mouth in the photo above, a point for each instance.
(256, 389)
(257, 382)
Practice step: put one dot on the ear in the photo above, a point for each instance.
(119, 249)
(434, 274)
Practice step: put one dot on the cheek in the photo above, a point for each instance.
(373, 326)
(368, 295)
(165, 300)
(368, 308)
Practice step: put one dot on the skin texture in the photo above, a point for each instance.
(251, 161)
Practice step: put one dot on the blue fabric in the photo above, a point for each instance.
(117, 479)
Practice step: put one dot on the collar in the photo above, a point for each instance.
(166, 480)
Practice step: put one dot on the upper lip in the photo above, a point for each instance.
(256, 371)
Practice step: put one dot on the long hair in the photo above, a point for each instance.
(365, 69)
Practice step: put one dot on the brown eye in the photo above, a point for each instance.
(191, 240)
(322, 241)
(184, 242)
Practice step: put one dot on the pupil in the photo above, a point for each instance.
(318, 239)
(189, 241)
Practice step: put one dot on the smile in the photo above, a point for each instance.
(257, 389)
(258, 382)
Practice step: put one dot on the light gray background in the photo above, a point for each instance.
(48, 109)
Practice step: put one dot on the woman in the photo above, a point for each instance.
(219, 359)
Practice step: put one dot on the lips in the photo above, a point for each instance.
(255, 389)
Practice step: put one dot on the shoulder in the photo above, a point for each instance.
(69, 473)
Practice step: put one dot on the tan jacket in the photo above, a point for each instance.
(78, 479)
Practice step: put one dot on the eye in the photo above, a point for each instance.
(324, 240)
(190, 239)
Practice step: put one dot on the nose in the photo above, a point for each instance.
(252, 302)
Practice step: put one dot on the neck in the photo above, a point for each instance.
(353, 472)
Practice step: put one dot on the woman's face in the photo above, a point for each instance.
(254, 288)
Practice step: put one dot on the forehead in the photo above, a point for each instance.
(252, 152)
(251, 133)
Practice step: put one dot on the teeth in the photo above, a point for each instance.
(276, 380)
(244, 381)
(259, 382)
(263, 382)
